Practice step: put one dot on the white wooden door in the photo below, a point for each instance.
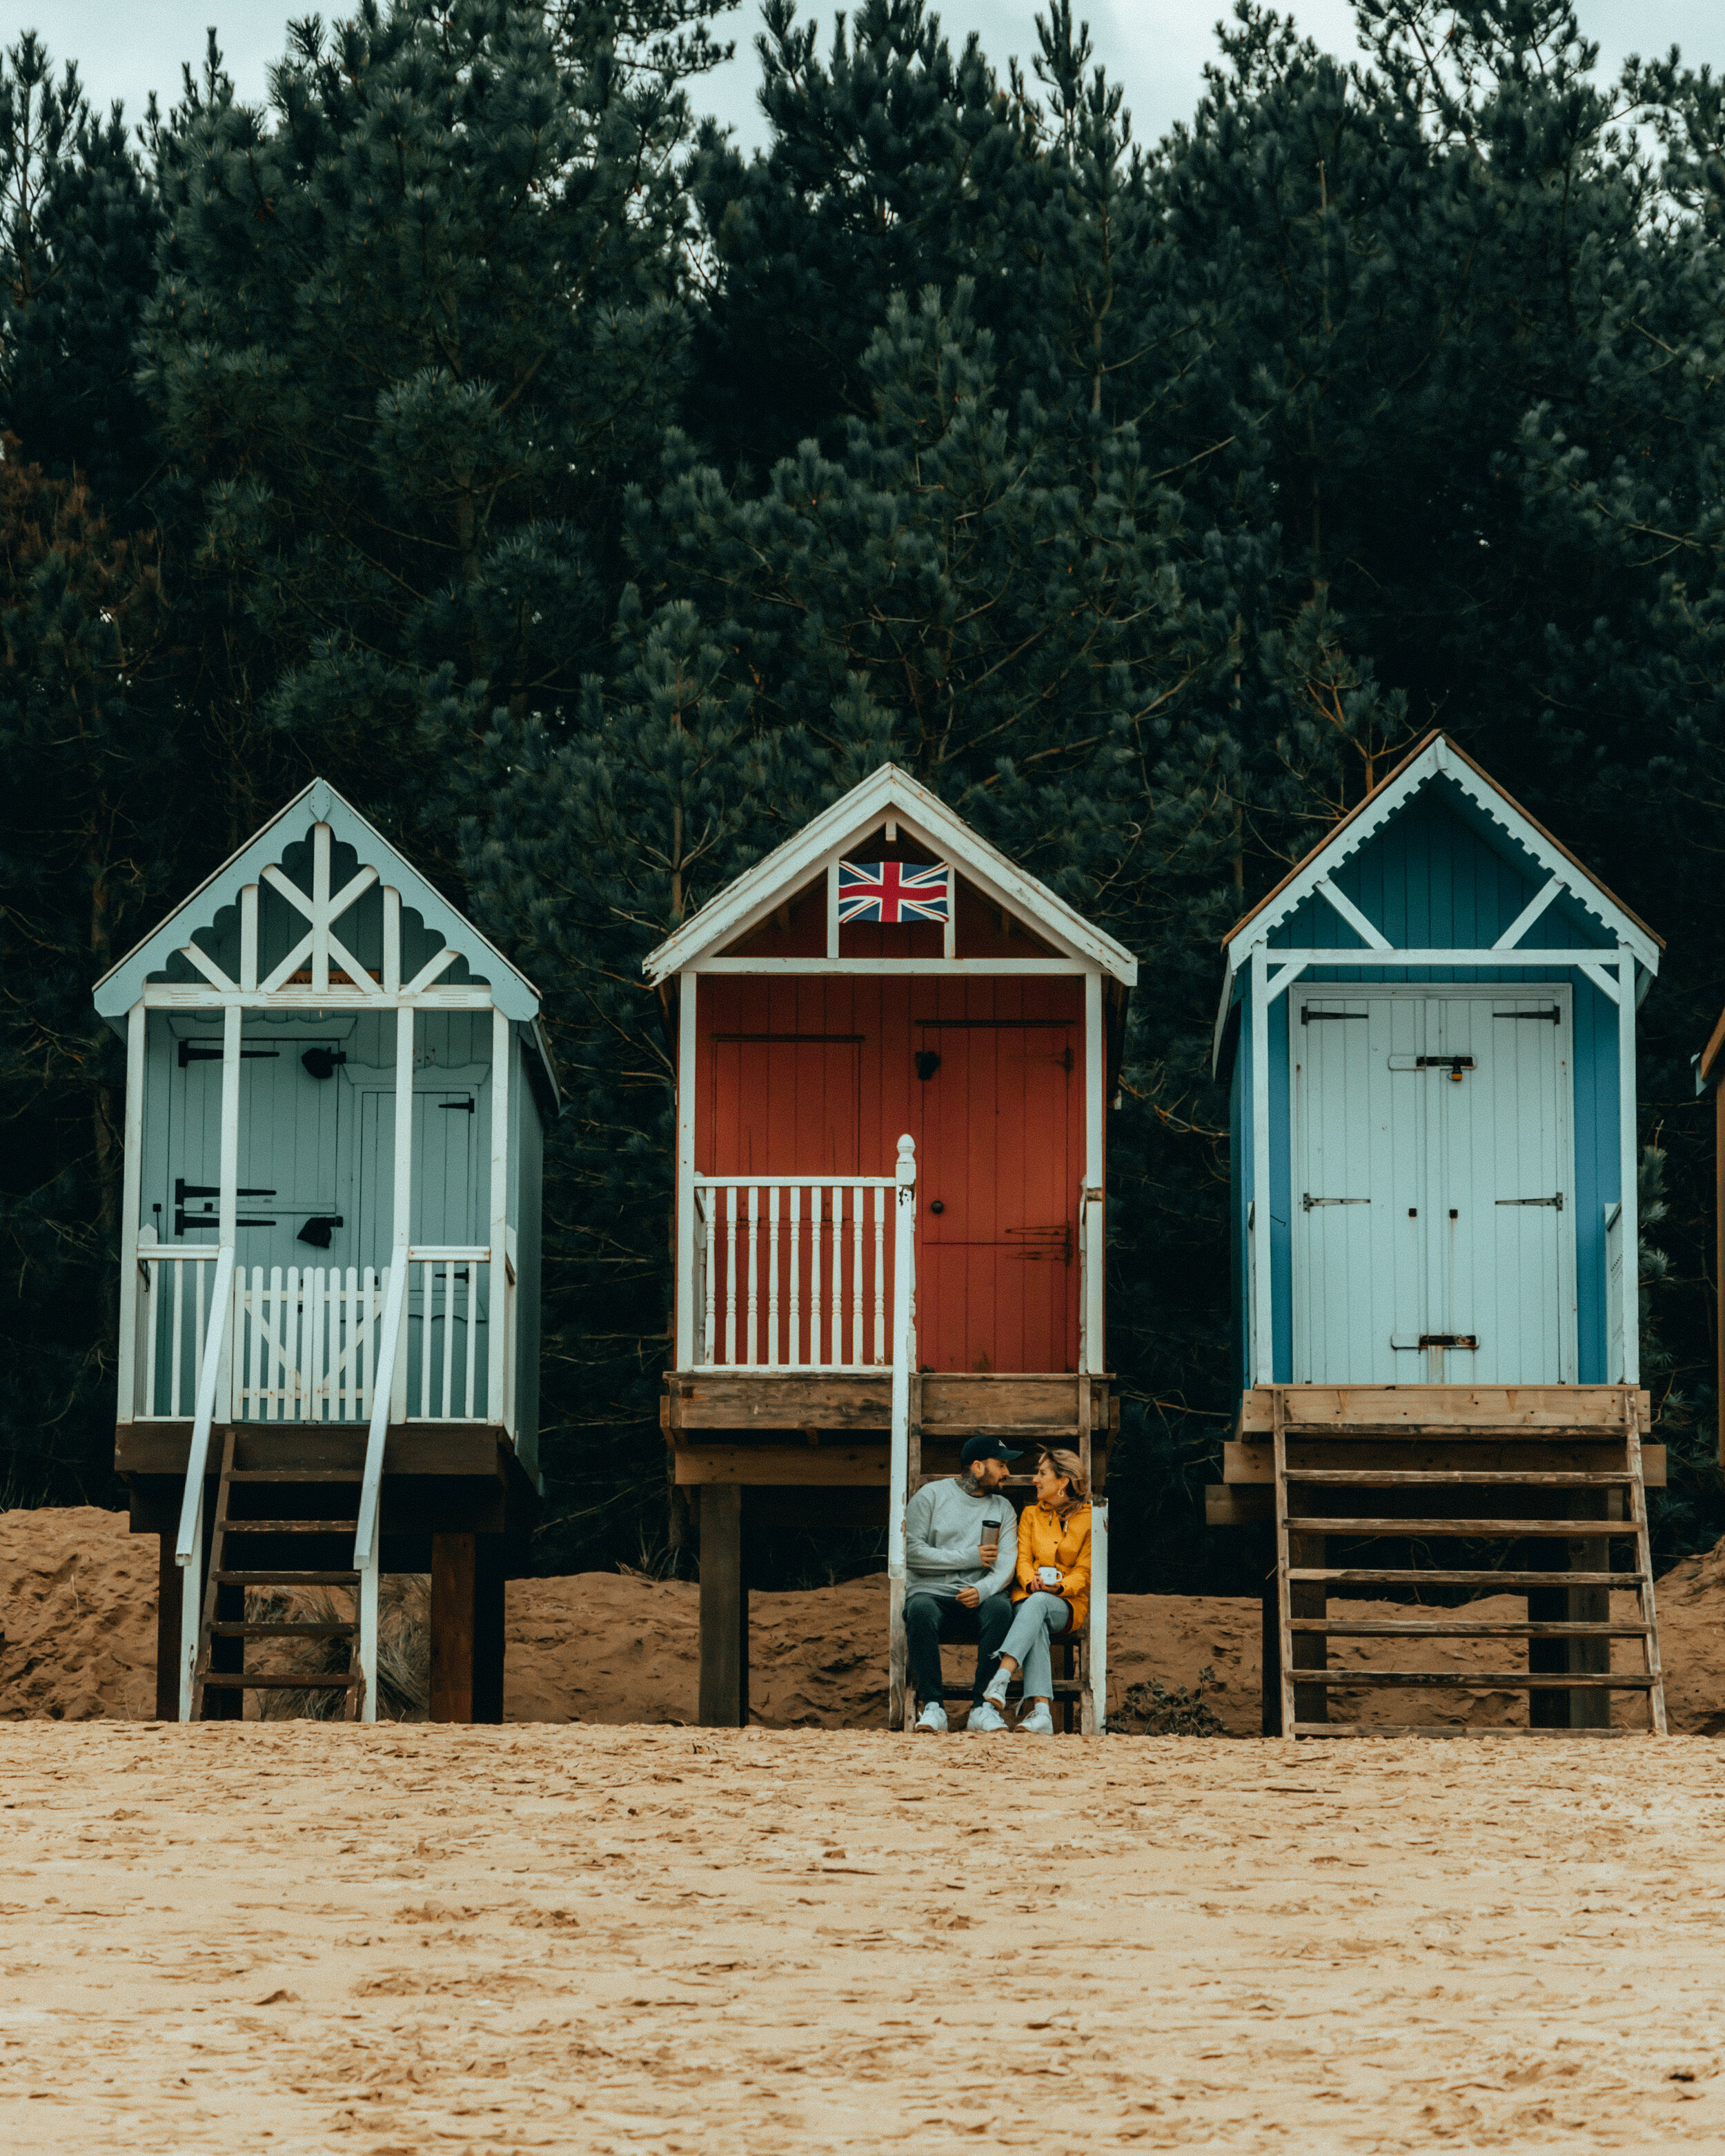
(1432, 1215)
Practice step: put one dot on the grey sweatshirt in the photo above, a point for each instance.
(944, 1525)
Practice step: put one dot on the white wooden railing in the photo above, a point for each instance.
(171, 1323)
(188, 1542)
(1614, 1295)
(306, 1345)
(367, 1533)
(792, 1273)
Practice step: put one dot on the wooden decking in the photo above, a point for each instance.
(817, 1428)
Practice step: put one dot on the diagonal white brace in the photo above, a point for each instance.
(1529, 915)
(1369, 933)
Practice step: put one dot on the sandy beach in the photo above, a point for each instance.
(400, 1939)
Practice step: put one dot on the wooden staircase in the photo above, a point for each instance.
(220, 1669)
(1575, 1511)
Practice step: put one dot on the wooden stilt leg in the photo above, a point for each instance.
(1272, 1656)
(488, 1631)
(453, 1613)
(724, 1609)
(1591, 1710)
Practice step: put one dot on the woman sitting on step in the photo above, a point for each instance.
(1053, 1588)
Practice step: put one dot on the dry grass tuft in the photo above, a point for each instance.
(403, 1649)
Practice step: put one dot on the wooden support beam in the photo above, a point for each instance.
(169, 1583)
(724, 1702)
(489, 1630)
(454, 1567)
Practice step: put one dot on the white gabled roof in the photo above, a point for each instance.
(1438, 757)
(887, 792)
(121, 986)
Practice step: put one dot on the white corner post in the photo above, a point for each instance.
(131, 1197)
(683, 1288)
(1629, 1124)
(502, 1347)
(904, 1355)
(1263, 1308)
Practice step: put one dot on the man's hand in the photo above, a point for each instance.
(969, 1597)
(987, 1553)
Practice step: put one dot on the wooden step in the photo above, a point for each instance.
(1322, 1523)
(281, 1629)
(1343, 1729)
(1363, 1575)
(275, 1579)
(296, 1474)
(1568, 1628)
(1482, 1432)
(1394, 1478)
(1498, 1679)
(290, 1527)
(276, 1681)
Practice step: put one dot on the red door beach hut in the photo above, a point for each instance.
(895, 1053)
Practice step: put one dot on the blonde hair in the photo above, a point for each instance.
(1072, 1467)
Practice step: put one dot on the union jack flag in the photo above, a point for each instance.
(890, 891)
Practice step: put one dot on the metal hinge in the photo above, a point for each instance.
(1307, 1201)
(1557, 1202)
(1310, 1017)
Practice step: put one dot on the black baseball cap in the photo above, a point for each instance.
(987, 1448)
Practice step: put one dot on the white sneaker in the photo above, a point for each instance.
(933, 1717)
(1038, 1721)
(995, 1689)
(987, 1717)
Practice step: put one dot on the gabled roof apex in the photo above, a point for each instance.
(733, 911)
(315, 803)
(1437, 756)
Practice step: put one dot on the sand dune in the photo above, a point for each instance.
(77, 1615)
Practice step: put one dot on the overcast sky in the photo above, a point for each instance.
(1156, 49)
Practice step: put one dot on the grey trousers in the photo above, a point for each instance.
(1041, 1618)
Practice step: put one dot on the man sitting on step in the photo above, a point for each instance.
(959, 1560)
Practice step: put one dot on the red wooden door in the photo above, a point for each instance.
(998, 1160)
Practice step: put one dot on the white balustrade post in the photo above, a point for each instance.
(904, 1350)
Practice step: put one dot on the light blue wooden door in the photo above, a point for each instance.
(1433, 1220)
(1503, 1219)
(1358, 1248)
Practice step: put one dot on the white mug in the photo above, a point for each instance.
(1048, 1576)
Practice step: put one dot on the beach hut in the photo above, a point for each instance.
(1429, 1031)
(895, 1053)
(330, 1238)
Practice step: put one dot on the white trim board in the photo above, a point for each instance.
(319, 802)
(742, 904)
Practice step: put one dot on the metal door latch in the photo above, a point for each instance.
(1407, 1343)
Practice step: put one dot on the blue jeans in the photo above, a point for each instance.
(1041, 1618)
